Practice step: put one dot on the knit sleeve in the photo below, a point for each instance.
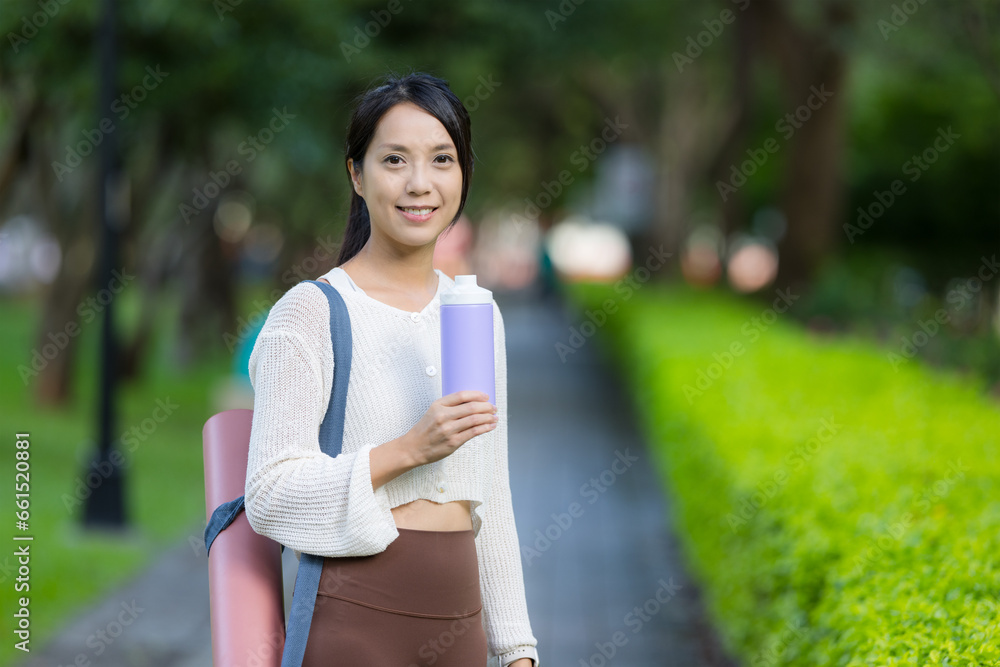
(505, 610)
(295, 494)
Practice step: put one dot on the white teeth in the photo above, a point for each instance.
(418, 211)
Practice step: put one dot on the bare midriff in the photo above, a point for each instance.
(424, 514)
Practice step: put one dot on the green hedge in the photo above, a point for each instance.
(835, 510)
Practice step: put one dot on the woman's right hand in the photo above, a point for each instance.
(450, 422)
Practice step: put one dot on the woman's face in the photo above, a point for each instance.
(411, 180)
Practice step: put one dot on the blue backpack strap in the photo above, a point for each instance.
(331, 431)
(223, 515)
(331, 436)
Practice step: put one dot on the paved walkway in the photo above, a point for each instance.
(603, 576)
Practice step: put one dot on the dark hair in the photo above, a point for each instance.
(430, 94)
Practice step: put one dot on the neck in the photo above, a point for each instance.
(389, 268)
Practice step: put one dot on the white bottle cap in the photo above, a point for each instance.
(466, 290)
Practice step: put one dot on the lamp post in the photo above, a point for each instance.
(105, 507)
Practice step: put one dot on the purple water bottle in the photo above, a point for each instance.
(467, 346)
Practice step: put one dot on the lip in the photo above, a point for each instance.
(417, 218)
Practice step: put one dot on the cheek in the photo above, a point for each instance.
(387, 190)
(455, 185)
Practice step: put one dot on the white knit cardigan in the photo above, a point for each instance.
(314, 503)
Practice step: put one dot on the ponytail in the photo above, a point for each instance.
(359, 228)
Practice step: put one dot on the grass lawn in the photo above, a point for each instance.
(164, 482)
(837, 510)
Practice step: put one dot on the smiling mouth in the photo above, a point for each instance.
(417, 211)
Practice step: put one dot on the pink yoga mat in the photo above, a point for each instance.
(244, 568)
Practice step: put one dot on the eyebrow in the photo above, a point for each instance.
(398, 147)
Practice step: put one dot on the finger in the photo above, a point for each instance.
(473, 408)
(464, 396)
(475, 421)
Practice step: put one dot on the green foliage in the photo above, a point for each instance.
(877, 292)
(561, 68)
(836, 511)
(901, 115)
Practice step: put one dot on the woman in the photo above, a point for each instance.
(414, 517)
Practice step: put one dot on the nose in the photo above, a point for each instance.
(419, 183)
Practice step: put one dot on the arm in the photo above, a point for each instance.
(505, 610)
(389, 461)
(295, 494)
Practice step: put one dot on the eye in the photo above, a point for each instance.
(392, 157)
(447, 158)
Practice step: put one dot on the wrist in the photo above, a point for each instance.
(524, 656)
(406, 453)
(389, 460)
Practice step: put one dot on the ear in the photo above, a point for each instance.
(355, 178)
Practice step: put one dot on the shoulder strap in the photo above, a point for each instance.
(331, 431)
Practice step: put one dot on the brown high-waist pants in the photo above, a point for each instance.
(415, 604)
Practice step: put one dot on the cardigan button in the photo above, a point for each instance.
(440, 487)
(414, 316)
(430, 370)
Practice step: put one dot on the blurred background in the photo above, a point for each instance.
(747, 191)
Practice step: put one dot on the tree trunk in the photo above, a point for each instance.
(692, 130)
(813, 70)
(71, 217)
(812, 197)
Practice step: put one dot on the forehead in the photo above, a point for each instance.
(409, 125)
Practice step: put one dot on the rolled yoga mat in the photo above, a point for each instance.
(244, 569)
